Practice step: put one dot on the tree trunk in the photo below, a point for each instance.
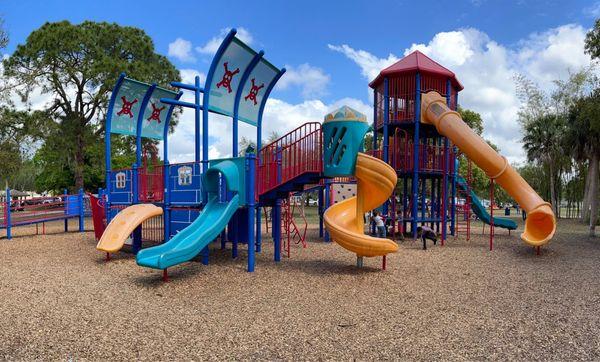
(585, 206)
(79, 157)
(594, 193)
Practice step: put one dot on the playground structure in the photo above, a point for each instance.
(194, 194)
(40, 210)
(417, 137)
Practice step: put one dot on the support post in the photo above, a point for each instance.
(81, 212)
(415, 174)
(491, 214)
(359, 261)
(66, 203)
(327, 202)
(276, 226)
(374, 120)
(321, 211)
(251, 204)
(453, 200)
(446, 169)
(8, 215)
(386, 139)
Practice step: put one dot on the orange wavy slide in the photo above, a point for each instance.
(122, 225)
(540, 224)
(344, 220)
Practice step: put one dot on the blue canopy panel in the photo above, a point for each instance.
(155, 116)
(227, 77)
(228, 73)
(127, 107)
(254, 90)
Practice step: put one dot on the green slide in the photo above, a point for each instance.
(481, 211)
(190, 241)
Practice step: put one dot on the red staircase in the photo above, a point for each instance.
(290, 162)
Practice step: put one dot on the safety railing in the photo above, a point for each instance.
(151, 183)
(296, 153)
(36, 210)
(431, 157)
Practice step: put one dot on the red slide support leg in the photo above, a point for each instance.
(165, 276)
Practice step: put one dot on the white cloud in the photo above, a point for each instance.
(552, 54)
(592, 11)
(369, 64)
(280, 117)
(181, 49)
(311, 80)
(487, 71)
(188, 76)
(212, 45)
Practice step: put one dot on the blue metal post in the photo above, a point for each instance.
(276, 225)
(8, 215)
(107, 144)
(258, 209)
(416, 140)
(453, 201)
(66, 203)
(386, 122)
(135, 180)
(251, 204)
(81, 212)
(327, 202)
(374, 119)
(258, 146)
(166, 170)
(446, 170)
(321, 211)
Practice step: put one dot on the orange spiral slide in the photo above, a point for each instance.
(540, 224)
(344, 220)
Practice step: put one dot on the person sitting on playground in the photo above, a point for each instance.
(425, 232)
(379, 224)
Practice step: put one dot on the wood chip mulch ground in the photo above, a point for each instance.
(61, 300)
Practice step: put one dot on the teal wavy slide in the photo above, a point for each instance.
(190, 241)
(481, 211)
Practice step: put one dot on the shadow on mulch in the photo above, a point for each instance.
(324, 268)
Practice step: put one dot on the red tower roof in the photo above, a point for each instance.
(416, 62)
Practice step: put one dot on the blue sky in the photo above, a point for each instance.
(334, 48)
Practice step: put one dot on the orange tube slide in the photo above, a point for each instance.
(344, 220)
(540, 224)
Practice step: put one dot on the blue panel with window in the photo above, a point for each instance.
(120, 187)
(185, 184)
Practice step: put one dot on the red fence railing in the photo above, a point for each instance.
(290, 156)
(39, 209)
(151, 183)
(401, 150)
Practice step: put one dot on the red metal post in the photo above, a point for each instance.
(165, 276)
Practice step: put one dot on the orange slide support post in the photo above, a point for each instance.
(540, 224)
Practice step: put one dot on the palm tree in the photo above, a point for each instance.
(584, 137)
(542, 141)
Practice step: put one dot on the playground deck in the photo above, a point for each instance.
(456, 302)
